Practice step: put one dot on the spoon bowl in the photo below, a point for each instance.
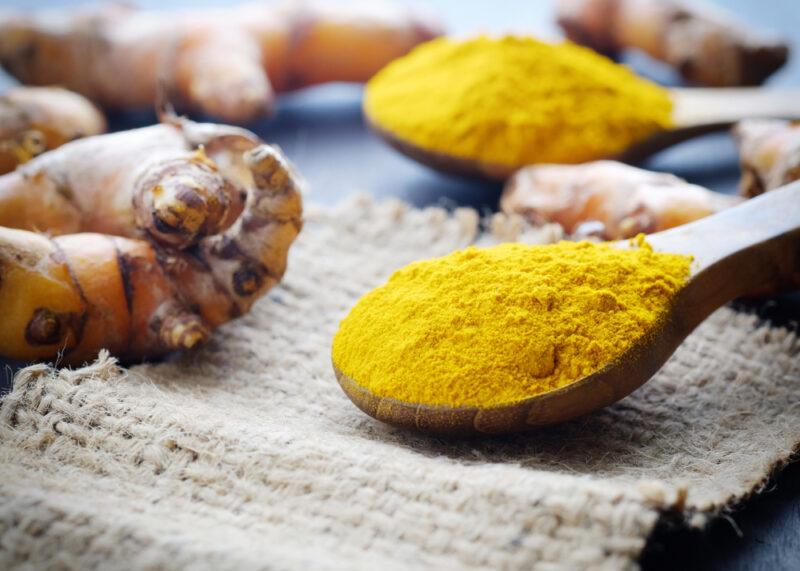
(696, 111)
(751, 249)
(442, 162)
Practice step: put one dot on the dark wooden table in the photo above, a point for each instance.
(322, 130)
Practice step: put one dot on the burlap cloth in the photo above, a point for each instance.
(249, 456)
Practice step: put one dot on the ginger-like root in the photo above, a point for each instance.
(226, 62)
(704, 44)
(36, 119)
(769, 154)
(72, 295)
(175, 182)
(607, 199)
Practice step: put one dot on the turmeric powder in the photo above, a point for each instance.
(515, 101)
(493, 326)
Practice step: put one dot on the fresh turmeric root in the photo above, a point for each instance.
(607, 199)
(705, 45)
(72, 295)
(175, 182)
(36, 119)
(226, 62)
(769, 154)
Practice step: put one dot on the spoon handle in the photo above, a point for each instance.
(751, 249)
(697, 111)
(694, 107)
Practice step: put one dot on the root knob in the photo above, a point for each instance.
(183, 331)
(269, 167)
(183, 201)
(44, 328)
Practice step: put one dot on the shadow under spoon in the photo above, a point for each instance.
(751, 249)
(696, 111)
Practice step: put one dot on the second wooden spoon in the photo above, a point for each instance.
(696, 111)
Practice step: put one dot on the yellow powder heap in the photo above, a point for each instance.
(484, 327)
(515, 101)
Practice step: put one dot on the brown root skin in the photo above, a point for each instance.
(73, 295)
(607, 199)
(226, 62)
(769, 154)
(175, 183)
(705, 45)
(37, 119)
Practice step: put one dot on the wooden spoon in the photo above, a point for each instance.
(696, 111)
(751, 249)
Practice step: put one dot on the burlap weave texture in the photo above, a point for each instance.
(247, 455)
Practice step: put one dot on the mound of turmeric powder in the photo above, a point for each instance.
(515, 101)
(493, 326)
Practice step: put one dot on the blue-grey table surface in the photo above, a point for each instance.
(322, 131)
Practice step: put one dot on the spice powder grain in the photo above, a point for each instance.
(490, 326)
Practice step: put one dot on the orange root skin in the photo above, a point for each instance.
(77, 294)
(42, 309)
(37, 119)
(769, 154)
(174, 182)
(705, 45)
(219, 73)
(607, 199)
(73, 295)
(223, 62)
